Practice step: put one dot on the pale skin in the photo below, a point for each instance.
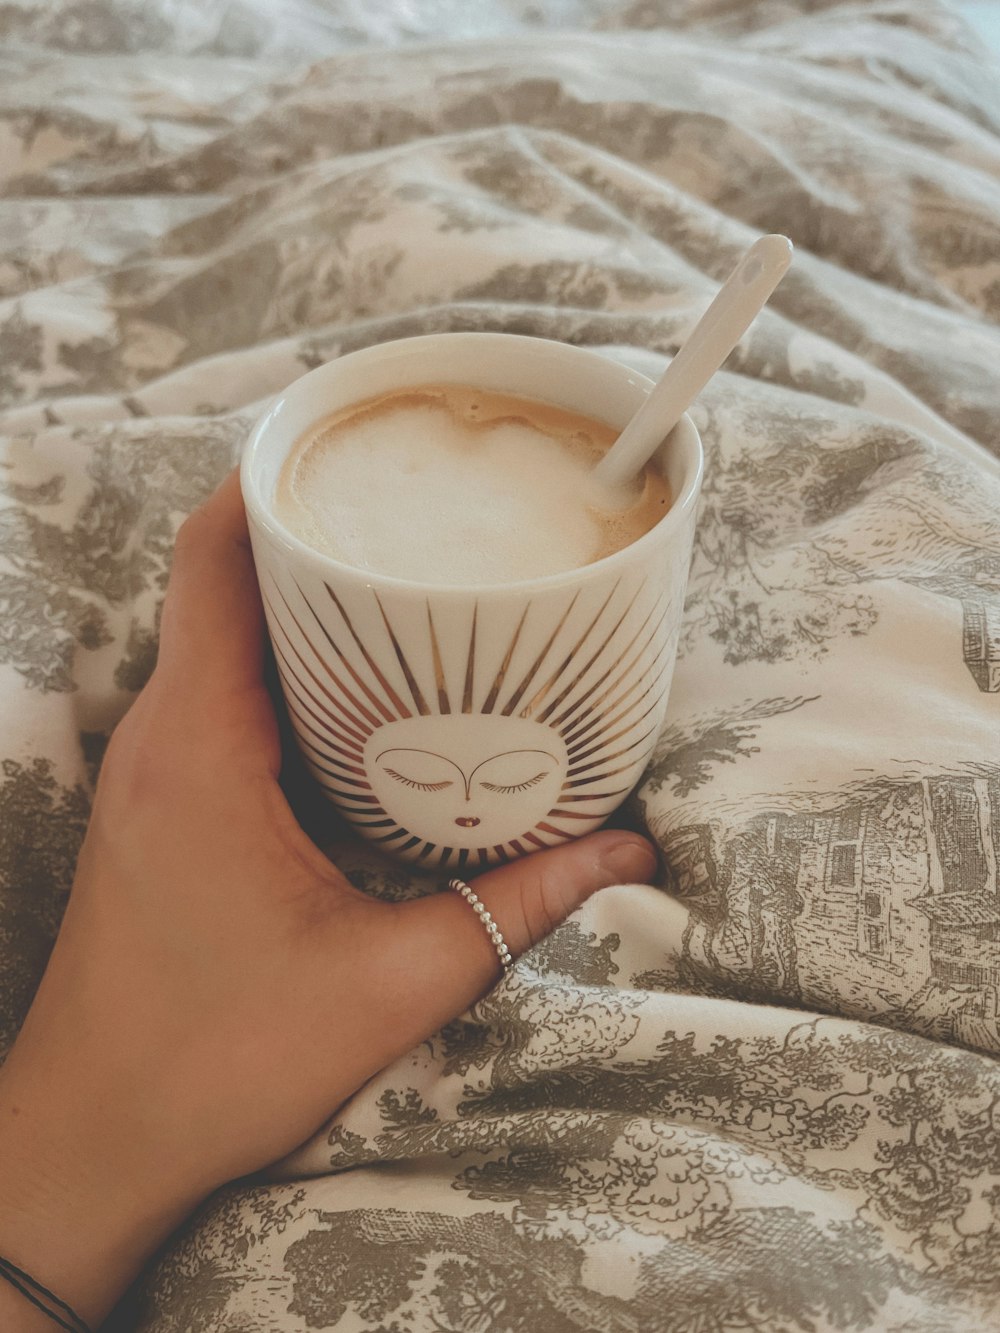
(209, 951)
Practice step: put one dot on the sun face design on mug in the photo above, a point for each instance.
(466, 781)
(482, 748)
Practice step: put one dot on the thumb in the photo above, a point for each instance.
(530, 897)
(453, 958)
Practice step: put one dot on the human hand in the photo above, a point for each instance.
(218, 988)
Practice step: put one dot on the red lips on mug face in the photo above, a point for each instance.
(467, 821)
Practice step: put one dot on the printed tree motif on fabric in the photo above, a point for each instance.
(527, 1027)
(63, 577)
(509, 166)
(456, 212)
(194, 1283)
(787, 537)
(351, 1261)
(774, 1269)
(20, 354)
(687, 753)
(585, 284)
(577, 954)
(742, 594)
(387, 1263)
(192, 1294)
(279, 273)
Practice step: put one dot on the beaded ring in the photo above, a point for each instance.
(490, 926)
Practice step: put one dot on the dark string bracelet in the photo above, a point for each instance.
(63, 1315)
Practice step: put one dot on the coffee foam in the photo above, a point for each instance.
(447, 484)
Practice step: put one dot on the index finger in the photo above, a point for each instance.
(212, 629)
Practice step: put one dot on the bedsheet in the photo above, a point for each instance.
(761, 1094)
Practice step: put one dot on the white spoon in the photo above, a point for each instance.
(738, 303)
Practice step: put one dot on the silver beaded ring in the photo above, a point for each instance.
(491, 927)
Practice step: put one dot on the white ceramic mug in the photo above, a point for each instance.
(461, 726)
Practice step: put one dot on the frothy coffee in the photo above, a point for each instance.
(447, 484)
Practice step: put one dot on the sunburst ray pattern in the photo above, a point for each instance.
(578, 679)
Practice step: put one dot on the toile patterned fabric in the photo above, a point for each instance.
(762, 1094)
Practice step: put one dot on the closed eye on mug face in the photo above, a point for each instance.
(420, 786)
(506, 789)
(513, 771)
(421, 770)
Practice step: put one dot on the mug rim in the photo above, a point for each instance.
(674, 518)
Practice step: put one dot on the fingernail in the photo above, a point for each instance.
(629, 861)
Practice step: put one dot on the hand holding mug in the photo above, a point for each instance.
(218, 988)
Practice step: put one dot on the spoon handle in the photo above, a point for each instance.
(723, 324)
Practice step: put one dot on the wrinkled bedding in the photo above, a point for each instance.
(761, 1094)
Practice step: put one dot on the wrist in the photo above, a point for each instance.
(19, 1315)
(79, 1216)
